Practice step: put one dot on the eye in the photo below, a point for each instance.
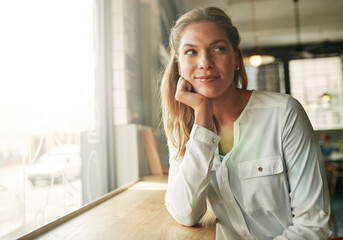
(218, 49)
(190, 52)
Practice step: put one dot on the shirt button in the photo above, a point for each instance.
(325, 213)
(214, 140)
(260, 169)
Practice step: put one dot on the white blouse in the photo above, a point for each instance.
(271, 185)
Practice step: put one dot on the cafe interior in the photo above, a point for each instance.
(83, 154)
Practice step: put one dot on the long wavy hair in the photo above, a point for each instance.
(178, 118)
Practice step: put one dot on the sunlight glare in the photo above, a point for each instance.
(47, 65)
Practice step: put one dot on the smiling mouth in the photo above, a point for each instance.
(208, 78)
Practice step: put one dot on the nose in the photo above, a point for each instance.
(205, 61)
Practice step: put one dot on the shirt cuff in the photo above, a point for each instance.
(204, 135)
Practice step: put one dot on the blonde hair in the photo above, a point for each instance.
(178, 118)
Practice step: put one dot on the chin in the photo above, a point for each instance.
(214, 92)
(210, 95)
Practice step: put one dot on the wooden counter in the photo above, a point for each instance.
(136, 213)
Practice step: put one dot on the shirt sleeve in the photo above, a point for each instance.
(189, 177)
(309, 195)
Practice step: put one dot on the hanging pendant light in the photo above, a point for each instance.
(257, 57)
(325, 97)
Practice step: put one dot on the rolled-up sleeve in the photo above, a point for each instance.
(189, 176)
(309, 195)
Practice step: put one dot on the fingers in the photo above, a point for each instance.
(183, 85)
(185, 95)
(202, 106)
(189, 86)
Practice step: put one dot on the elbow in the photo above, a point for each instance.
(187, 221)
(187, 217)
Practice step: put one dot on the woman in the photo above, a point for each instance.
(252, 155)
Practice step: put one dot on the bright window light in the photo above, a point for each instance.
(47, 65)
(47, 99)
(317, 84)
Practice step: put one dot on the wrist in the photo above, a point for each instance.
(203, 118)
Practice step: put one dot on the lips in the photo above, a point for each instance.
(207, 78)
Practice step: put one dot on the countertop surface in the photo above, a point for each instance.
(136, 213)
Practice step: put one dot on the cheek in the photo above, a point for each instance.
(185, 68)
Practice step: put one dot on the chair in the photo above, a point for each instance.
(336, 238)
(331, 170)
(152, 152)
(332, 174)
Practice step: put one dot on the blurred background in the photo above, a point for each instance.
(79, 83)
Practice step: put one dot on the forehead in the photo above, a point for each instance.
(202, 33)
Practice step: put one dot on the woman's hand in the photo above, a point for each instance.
(202, 106)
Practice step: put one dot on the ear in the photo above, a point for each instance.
(237, 63)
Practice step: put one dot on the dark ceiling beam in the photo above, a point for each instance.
(292, 52)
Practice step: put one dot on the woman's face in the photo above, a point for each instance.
(206, 59)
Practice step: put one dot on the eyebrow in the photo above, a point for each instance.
(188, 45)
(218, 41)
(211, 44)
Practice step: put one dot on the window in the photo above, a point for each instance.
(318, 85)
(52, 132)
(266, 77)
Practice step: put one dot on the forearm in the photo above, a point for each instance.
(300, 232)
(189, 177)
(310, 205)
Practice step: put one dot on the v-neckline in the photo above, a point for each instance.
(235, 130)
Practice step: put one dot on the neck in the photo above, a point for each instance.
(228, 107)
